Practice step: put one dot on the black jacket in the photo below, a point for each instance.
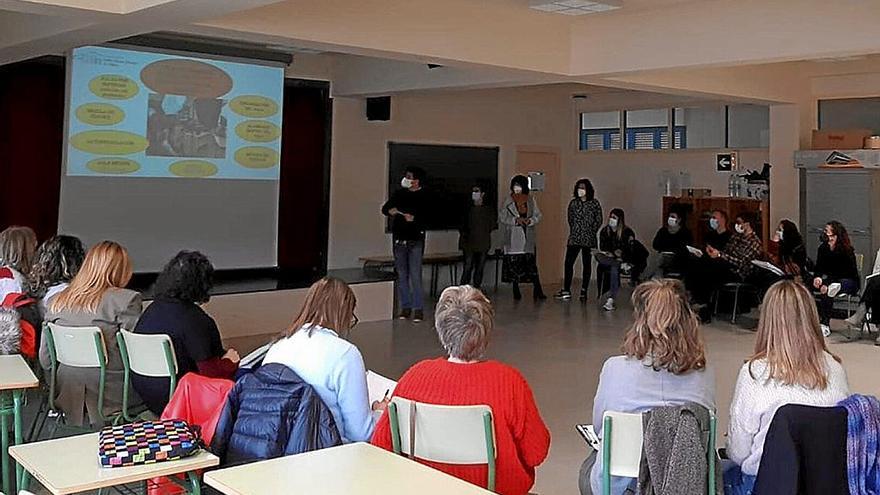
(667, 242)
(476, 231)
(416, 204)
(609, 242)
(804, 452)
(834, 266)
(271, 413)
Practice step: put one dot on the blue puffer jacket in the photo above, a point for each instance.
(270, 413)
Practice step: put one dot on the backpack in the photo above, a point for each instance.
(19, 320)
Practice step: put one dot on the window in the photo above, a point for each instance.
(600, 131)
(748, 126)
(850, 113)
(699, 127)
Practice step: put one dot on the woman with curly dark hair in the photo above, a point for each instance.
(181, 288)
(57, 261)
(836, 271)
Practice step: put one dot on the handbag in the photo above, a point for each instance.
(146, 442)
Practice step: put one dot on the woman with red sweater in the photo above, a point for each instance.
(464, 321)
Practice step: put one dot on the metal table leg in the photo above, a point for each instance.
(16, 408)
(4, 441)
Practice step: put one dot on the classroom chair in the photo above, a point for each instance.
(146, 355)
(446, 434)
(77, 347)
(735, 288)
(621, 448)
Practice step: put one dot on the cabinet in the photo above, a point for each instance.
(698, 210)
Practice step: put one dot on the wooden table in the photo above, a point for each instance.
(352, 469)
(70, 465)
(15, 376)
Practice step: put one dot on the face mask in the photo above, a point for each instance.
(713, 223)
(406, 182)
(612, 222)
(476, 196)
(739, 228)
(517, 189)
(672, 221)
(582, 193)
(779, 234)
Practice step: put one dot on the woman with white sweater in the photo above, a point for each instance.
(791, 365)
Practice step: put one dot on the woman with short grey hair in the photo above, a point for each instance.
(464, 319)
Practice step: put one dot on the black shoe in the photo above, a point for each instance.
(583, 294)
(404, 314)
(418, 316)
(563, 295)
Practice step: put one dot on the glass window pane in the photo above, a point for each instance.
(645, 127)
(748, 126)
(850, 113)
(600, 120)
(699, 127)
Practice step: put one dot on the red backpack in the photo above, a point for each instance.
(29, 321)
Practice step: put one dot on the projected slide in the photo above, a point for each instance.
(144, 114)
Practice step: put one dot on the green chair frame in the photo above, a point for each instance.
(488, 428)
(126, 363)
(607, 426)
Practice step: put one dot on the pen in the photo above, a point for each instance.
(387, 390)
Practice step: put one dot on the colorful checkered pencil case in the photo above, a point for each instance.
(146, 442)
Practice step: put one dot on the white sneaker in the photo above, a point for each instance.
(609, 304)
(826, 330)
(833, 290)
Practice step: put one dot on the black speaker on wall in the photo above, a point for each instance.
(379, 108)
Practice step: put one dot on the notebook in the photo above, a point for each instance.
(377, 385)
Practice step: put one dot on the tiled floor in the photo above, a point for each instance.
(560, 348)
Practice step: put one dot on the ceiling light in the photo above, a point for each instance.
(575, 7)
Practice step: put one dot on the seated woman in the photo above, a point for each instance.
(17, 246)
(786, 251)
(180, 289)
(791, 365)
(870, 301)
(615, 248)
(57, 261)
(671, 243)
(316, 348)
(664, 364)
(96, 296)
(464, 322)
(836, 271)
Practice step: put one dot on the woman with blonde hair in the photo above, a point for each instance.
(316, 349)
(790, 365)
(97, 297)
(464, 319)
(663, 364)
(17, 248)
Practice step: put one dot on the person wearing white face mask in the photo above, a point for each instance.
(670, 244)
(718, 235)
(584, 221)
(519, 215)
(475, 236)
(407, 209)
(615, 248)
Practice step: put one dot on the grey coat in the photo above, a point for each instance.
(78, 387)
(674, 452)
(507, 216)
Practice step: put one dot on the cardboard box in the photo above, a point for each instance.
(840, 139)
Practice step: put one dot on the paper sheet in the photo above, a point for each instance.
(377, 385)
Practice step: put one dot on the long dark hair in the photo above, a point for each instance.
(57, 261)
(591, 193)
(522, 181)
(791, 238)
(188, 277)
(842, 236)
(621, 221)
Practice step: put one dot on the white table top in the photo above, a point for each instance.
(352, 469)
(15, 373)
(70, 465)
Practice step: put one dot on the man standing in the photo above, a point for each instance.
(475, 236)
(407, 209)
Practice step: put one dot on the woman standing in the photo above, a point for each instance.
(836, 271)
(584, 221)
(519, 214)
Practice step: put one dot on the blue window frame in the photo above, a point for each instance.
(638, 138)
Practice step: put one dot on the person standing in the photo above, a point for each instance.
(584, 221)
(407, 209)
(519, 214)
(475, 237)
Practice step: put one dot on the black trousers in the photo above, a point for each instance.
(571, 255)
(871, 298)
(705, 275)
(472, 272)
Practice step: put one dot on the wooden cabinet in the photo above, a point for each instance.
(698, 210)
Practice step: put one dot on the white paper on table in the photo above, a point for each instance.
(377, 385)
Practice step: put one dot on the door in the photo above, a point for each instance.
(551, 237)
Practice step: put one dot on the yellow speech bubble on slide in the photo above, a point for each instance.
(258, 131)
(99, 114)
(254, 106)
(113, 87)
(193, 168)
(256, 157)
(109, 142)
(115, 166)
